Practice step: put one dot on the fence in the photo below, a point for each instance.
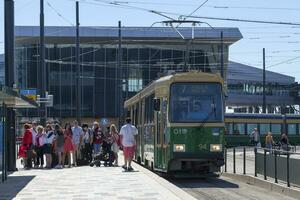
(271, 164)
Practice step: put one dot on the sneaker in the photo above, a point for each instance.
(130, 169)
(124, 167)
(58, 167)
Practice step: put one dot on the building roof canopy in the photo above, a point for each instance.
(230, 35)
(238, 72)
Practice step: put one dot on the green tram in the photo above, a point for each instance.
(181, 125)
(239, 127)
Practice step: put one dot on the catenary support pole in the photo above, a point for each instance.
(9, 24)
(42, 68)
(222, 55)
(78, 80)
(264, 82)
(121, 76)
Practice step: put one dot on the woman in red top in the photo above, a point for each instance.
(68, 144)
(26, 146)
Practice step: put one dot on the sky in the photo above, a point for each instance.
(282, 42)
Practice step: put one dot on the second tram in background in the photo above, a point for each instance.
(181, 124)
(239, 127)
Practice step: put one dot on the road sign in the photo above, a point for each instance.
(29, 93)
(104, 122)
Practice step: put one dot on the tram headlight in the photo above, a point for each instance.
(215, 147)
(179, 148)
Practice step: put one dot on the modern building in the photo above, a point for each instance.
(147, 53)
(245, 89)
(2, 68)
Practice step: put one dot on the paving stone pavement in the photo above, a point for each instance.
(84, 183)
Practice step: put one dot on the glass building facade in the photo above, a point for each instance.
(103, 83)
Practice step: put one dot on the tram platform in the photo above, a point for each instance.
(89, 183)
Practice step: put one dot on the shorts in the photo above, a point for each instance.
(128, 152)
(59, 149)
(97, 148)
(115, 148)
(47, 148)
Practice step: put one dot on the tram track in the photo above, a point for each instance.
(224, 188)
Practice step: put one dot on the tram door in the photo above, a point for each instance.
(160, 136)
(158, 139)
(164, 133)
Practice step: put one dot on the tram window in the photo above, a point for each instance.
(276, 128)
(239, 129)
(229, 129)
(264, 128)
(292, 129)
(250, 128)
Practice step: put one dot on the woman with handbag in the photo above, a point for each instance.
(26, 147)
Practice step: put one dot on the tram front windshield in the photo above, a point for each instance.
(196, 102)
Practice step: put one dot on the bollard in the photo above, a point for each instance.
(225, 159)
(234, 160)
(244, 161)
(255, 162)
(265, 164)
(275, 170)
(288, 169)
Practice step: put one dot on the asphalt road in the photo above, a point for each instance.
(224, 188)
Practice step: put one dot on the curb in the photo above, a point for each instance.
(164, 183)
(264, 184)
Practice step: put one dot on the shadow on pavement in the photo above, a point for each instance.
(204, 183)
(13, 185)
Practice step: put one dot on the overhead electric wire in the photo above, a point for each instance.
(114, 3)
(283, 62)
(60, 15)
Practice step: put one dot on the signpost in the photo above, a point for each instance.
(30, 93)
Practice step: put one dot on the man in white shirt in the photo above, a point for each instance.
(76, 137)
(128, 133)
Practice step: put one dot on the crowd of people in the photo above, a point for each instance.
(55, 147)
(283, 143)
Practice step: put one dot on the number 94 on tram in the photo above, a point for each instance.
(180, 119)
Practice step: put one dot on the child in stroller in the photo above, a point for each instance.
(106, 154)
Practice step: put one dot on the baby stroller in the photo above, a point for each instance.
(106, 155)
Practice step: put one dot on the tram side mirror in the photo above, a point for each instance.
(156, 104)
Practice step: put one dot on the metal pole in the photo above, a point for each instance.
(255, 162)
(264, 81)
(78, 85)
(121, 76)
(275, 170)
(244, 161)
(3, 143)
(288, 169)
(222, 55)
(225, 158)
(265, 164)
(42, 67)
(234, 160)
(186, 57)
(9, 25)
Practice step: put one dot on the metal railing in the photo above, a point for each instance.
(265, 162)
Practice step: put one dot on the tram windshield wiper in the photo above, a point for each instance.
(212, 112)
